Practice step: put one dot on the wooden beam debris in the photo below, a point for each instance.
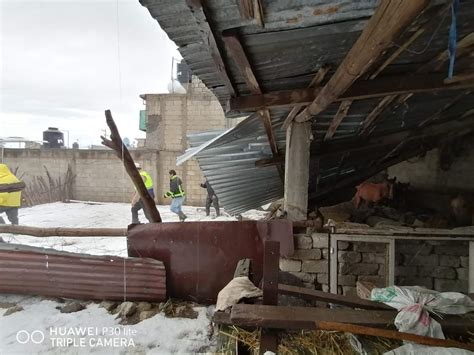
(116, 144)
(14, 187)
(363, 89)
(382, 29)
(392, 334)
(338, 117)
(63, 232)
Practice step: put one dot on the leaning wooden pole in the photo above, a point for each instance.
(122, 152)
(14, 187)
(392, 334)
(63, 232)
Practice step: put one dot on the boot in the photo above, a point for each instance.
(182, 216)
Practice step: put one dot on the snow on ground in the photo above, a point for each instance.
(157, 335)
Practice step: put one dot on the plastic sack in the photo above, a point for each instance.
(418, 349)
(415, 303)
(238, 288)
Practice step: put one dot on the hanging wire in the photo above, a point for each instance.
(118, 51)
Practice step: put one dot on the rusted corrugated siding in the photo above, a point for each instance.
(47, 272)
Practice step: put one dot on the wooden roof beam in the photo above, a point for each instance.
(210, 40)
(338, 117)
(361, 90)
(388, 22)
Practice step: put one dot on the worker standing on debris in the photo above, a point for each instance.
(177, 194)
(9, 201)
(211, 198)
(137, 203)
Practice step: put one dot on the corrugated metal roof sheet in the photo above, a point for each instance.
(48, 272)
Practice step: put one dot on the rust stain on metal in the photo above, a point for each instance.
(326, 10)
(200, 257)
(47, 272)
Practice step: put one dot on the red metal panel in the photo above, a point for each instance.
(200, 257)
(47, 272)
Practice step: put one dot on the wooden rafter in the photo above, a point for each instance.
(317, 79)
(235, 48)
(361, 90)
(338, 117)
(389, 20)
(463, 46)
(209, 38)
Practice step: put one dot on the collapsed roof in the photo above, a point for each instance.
(372, 76)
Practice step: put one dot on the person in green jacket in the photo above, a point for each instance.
(137, 203)
(177, 194)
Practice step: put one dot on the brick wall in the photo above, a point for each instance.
(438, 265)
(100, 175)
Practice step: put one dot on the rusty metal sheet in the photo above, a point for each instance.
(200, 257)
(48, 272)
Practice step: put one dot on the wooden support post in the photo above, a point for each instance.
(298, 141)
(389, 20)
(271, 259)
(116, 144)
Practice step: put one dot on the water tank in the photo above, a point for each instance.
(183, 73)
(53, 138)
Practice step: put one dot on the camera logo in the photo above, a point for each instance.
(24, 337)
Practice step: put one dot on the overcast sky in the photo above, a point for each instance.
(63, 62)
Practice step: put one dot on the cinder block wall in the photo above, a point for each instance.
(170, 118)
(100, 175)
(438, 265)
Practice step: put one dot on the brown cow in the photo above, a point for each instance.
(373, 193)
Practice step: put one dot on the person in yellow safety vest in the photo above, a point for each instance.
(137, 203)
(9, 201)
(177, 195)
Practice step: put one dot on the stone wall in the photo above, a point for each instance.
(170, 117)
(100, 175)
(438, 265)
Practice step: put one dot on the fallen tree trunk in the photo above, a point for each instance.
(123, 154)
(63, 232)
(14, 187)
(392, 334)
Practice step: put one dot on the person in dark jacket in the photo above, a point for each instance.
(177, 194)
(211, 198)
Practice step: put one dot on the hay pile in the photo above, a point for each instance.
(303, 342)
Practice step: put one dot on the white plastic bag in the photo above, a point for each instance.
(415, 303)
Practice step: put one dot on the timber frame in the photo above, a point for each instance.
(373, 85)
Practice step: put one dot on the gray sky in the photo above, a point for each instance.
(63, 62)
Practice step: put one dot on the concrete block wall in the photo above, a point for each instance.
(170, 118)
(100, 175)
(437, 265)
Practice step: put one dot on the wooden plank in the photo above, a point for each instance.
(235, 48)
(350, 301)
(209, 38)
(245, 9)
(317, 79)
(392, 334)
(280, 317)
(271, 260)
(361, 90)
(267, 123)
(338, 117)
(376, 112)
(382, 29)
